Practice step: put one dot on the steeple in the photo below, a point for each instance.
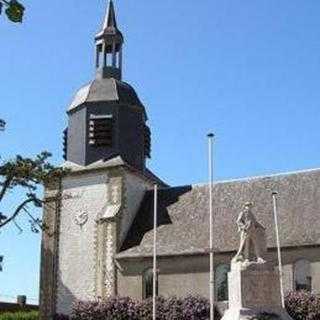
(110, 18)
(109, 42)
(106, 117)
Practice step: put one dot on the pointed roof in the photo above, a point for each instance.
(109, 27)
(110, 18)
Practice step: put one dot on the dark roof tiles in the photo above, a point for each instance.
(106, 89)
(184, 219)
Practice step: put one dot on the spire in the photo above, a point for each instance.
(109, 43)
(109, 27)
(110, 20)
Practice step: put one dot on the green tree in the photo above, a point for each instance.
(14, 10)
(2, 125)
(26, 175)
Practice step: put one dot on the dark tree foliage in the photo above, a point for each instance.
(27, 175)
(2, 125)
(14, 10)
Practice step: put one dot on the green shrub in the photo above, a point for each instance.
(32, 315)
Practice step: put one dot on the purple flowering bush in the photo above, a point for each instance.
(196, 308)
(110, 309)
(302, 305)
(190, 308)
(145, 309)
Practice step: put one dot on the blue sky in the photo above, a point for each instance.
(247, 70)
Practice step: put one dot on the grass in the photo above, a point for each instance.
(31, 315)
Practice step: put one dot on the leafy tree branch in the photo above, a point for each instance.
(26, 174)
(14, 10)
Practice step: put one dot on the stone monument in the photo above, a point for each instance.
(254, 284)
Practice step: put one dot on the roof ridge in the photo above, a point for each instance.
(248, 178)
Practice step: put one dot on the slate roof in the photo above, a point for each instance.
(111, 163)
(184, 221)
(110, 27)
(106, 89)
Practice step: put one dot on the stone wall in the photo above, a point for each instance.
(92, 216)
(49, 246)
(135, 188)
(185, 275)
(84, 197)
(315, 274)
(179, 276)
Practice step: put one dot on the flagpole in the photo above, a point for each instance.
(275, 212)
(210, 167)
(155, 218)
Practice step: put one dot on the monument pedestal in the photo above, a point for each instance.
(254, 289)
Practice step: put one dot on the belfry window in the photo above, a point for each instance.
(302, 275)
(65, 143)
(101, 130)
(221, 282)
(147, 141)
(147, 283)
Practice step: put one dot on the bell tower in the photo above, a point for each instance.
(106, 119)
(90, 210)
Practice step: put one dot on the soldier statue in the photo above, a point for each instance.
(252, 237)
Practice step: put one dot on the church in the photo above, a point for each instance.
(99, 216)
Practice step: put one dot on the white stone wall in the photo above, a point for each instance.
(189, 274)
(85, 194)
(110, 276)
(287, 277)
(184, 284)
(315, 274)
(135, 188)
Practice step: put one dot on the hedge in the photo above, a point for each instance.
(300, 305)
(303, 305)
(190, 308)
(31, 315)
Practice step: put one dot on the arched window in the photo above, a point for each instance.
(302, 275)
(147, 283)
(221, 282)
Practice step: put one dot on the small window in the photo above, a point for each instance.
(302, 275)
(101, 131)
(221, 282)
(147, 283)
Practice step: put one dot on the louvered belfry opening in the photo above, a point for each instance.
(147, 142)
(101, 131)
(65, 143)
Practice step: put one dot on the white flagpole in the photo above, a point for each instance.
(155, 218)
(275, 212)
(210, 167)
